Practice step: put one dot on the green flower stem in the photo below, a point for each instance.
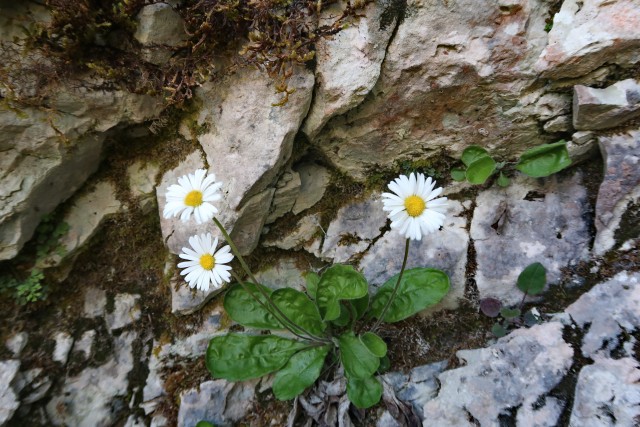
(395, 289)
(283, 318)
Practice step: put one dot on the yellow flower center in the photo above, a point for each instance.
(207, 261)
(193, 199)
(414, 205)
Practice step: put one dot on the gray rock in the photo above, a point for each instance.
(445, 250)
(84, 217)
(284, 274)
(17, 342)
(219, 402)
(595, 109)
(95, 302)
(8, 399)
(558, 124)
(185, 300)
(529, 221)
(418, 386)
(619, 191)
(348, 63)
(32, 385)
(551, 105)
(353, 229)
(304, 232)
(142, 183)
(85, 343)
(287, 190)
(587, 34)
(582, 146)
(64, 342)
(607, 394)
(90, 398)
(159, 28)
(314, 181)
(251, 218)
(610, 309)
(515, 372)
(126, 311)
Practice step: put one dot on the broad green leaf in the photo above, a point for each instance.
(458, 174)
(420, 288)
(544, 160)
(245, 310)
(343, 319)
(364, 392)
(374, 344)
(498, 330)
(300, 372)
(473, 153)
(299, 308)
(312, 280)
(357, 360)
(480, 170)
(532, 279)
(385, 364)
(510, 313)
(361, 305)
(238, 357)
(339, 282)
(204, 424)
(503, 181)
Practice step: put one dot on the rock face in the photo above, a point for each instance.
(8, 399)
(619, 194)
(528, 222)
(605, 108)
(159, 28)
(587, 34)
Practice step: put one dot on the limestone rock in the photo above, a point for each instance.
(249, 139)
(84, 218)
(91, 397)
(251, 218)
(142, 183)
(353, 229)
(529, 221)
(64, 342)
(85, 343)
(95, 302)
(284, 274)
(558, 124)
(159, 28)
(185, 300)
(607, 394)
(305, 230)
(285, 196)
(587, 34)
(8, 399)
(126, 311)
(595, 109)
(582, 146)
(348, 63)
(492, 380)
(17, 342)
(616, 220)
(445, 249)
(314, 180)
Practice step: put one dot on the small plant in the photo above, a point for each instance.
(334, 322)
(531, 281)
(540, 161)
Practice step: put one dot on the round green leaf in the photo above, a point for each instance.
(420, 288)
(364, 392)
(532, 279)
(339, 282)
(510, 313)
(480, 170)
(356, 358)
(299, 308)
(473, 153)
(385, 364)
(503, 181)
(312, 280)
(458, 174)
(237, 357)
(244, 309)
(544, 160)
(361, 305)
(300, 372)
(498, 330)
(204, 424)
(374, 344)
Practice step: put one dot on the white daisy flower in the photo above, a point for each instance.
(413, 207)
(204, 267)
(192, 194)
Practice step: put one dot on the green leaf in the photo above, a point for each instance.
(361, 305)
(420, 288)
(237, 357)
(343, 319)
(312, 280)
(245, 310)
(498, 330)
(385, 364)
(509, 313)
(339, 282)
(480, 170)
(356, 358)
(532, 279)
(458, 174)
(503, 181)
(364, 392)
(544, 160)
(204, 424)
(299, 308)
(374, 344)
(473, 153)
(301, 371)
